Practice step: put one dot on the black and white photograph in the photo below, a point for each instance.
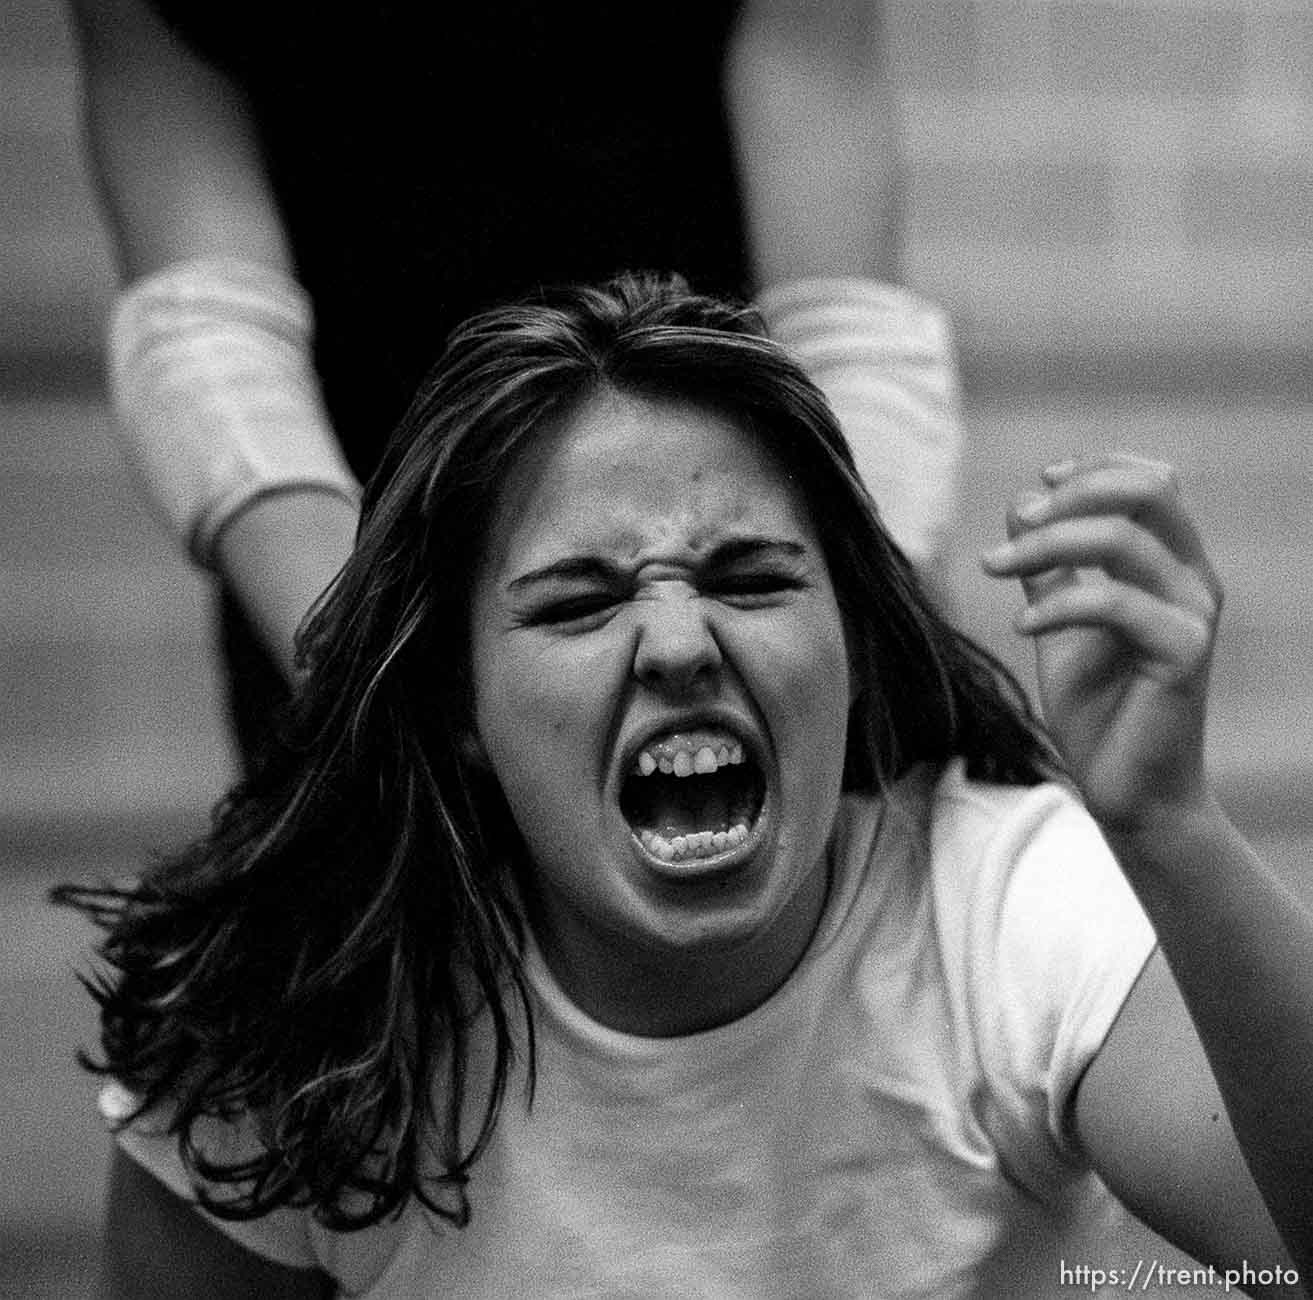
(656, 651)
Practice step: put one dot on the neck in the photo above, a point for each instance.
(668, 992)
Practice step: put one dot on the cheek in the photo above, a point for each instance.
(798, 670)
(822, 668)
(824, 700)
(540, 709)
(826, 707)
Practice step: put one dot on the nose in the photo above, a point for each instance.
(677, 649)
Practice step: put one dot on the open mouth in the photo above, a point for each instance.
(693, 795)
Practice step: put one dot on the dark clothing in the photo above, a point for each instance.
(428, 166)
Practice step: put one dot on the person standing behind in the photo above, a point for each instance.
(305, 201)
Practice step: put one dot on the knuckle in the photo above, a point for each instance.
(1201, 640)
(1205, 607)
(1166, 482)
(1210, 595)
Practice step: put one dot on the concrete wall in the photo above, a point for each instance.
(1113, 175)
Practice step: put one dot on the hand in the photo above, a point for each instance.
(1123, 606)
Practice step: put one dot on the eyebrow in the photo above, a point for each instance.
(595, 568)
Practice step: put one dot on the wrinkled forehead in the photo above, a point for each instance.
(624, 474)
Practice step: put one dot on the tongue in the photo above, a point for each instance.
(682, 810)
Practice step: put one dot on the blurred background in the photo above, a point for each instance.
(1111, 196)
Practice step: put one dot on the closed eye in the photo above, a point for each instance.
(583, 610)
(752, 589)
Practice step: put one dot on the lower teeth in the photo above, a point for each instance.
(701, 844)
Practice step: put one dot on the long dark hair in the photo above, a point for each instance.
(318, 962)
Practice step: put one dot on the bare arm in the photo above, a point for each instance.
(157, 1247)
(178, 168)
(172, 145)
(815, 125)
(1173, 1157)
(1123, 605)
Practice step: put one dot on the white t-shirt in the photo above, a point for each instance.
(888, 1123)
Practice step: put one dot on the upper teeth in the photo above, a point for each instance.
(678, 759)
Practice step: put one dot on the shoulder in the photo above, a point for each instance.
(996, 817)
(1042, 939)
(1023, 879)
(289, 1236)
(995, 940)
(156, 1243)
(936, 823)
(1008, 843)
(154, 1145)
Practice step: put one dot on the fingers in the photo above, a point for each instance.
(1176, 640)
(1037, 579)
(1047, 556)
(1109, 541)
(1148, 492)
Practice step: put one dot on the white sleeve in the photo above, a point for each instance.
(884, 359)
(283, 1236)
(216, 399)
(1053, 940)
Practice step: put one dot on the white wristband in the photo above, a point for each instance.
(215, 395)
(883, 357)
